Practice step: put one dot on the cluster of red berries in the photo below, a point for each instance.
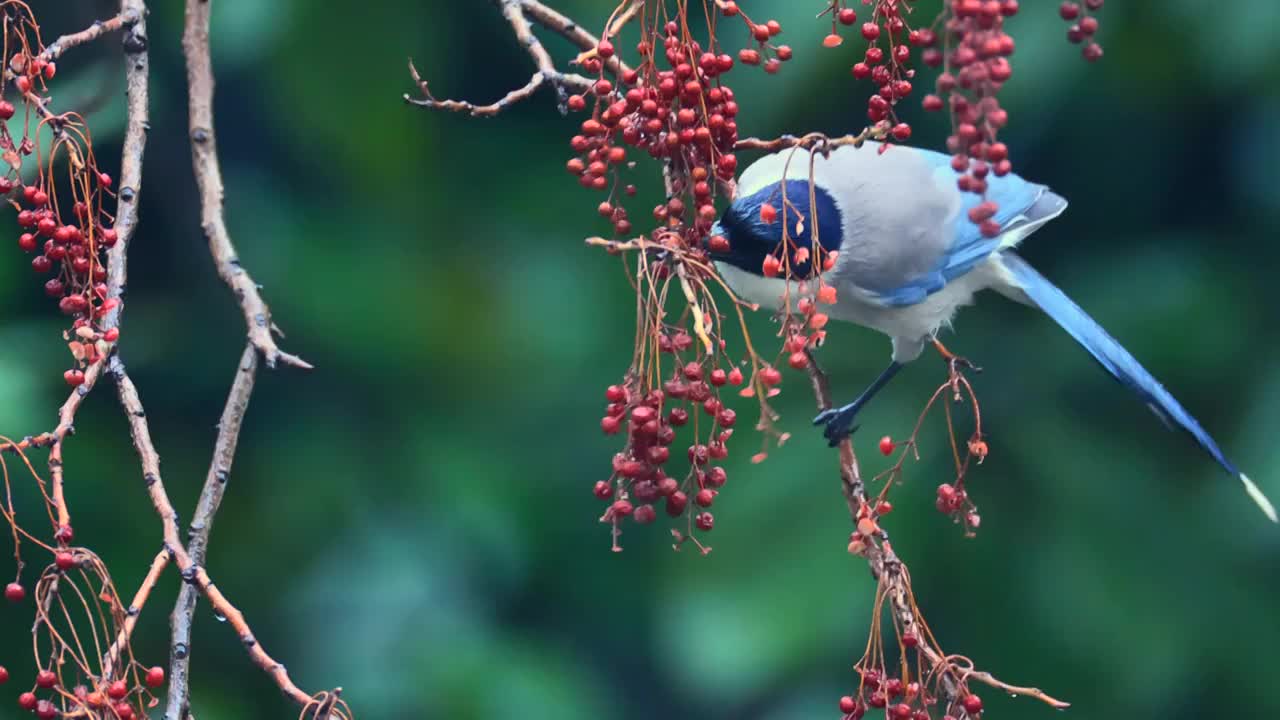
(69, 250)
(888, 69)
(953, 500)
(683, 115)
(113, 699)
(651, 421)
(74, 254)
(1083, 27)
(902, 701)
(765, 53)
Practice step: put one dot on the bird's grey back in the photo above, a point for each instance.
(896, 211)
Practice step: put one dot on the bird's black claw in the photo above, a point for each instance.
(838, 422)
(959, 362)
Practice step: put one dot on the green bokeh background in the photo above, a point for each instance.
(413, 520)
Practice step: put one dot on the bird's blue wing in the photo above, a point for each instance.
(1023, 206)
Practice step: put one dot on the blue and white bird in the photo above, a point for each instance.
(909, 257)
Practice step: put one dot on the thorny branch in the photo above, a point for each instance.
(204, 156)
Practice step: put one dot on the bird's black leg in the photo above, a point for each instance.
(839, 421)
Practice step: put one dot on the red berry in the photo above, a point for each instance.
(117, 690)
(644, 515)
(14, 593)
(705, 497)
(1069, 11)
(676, 503)
(749, 56)
(870, 30)
(603, 490)
(74, 377)
(4, 675)
(735, 377)
(6, 109)
(902, 711)
(46, 679)
(45, 710)
(705, 521)
(972, 704)
(27, 701)
(886, 445)
(23, 83)
(620, 509)
(901, 132)
(124, 711)
(847, 705)
(155, 677)
(847, 16)
(64, 560)
(27, 242)
(798, 360)
(1092, 52)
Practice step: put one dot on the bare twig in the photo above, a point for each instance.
(518, 13)
(204, 156)
(55, 49)
(109, 663)
(215, 485)
(815, 141)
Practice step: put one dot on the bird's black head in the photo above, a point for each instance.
(754, 232)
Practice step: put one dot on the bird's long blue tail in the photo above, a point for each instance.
(1117, 361)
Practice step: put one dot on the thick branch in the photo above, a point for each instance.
(215, 485)
(204, 157)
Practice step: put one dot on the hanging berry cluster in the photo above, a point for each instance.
(975, 66)
(60, 211)
(676, 107)
(1084, 26)
(682, 114)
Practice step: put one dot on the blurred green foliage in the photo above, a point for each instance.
(413, 520)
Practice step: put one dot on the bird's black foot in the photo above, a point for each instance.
(954, 361)
(838, 422)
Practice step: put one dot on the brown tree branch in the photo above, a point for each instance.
(204, 157)
(215, 485)
(192, 573)
(890, 571)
